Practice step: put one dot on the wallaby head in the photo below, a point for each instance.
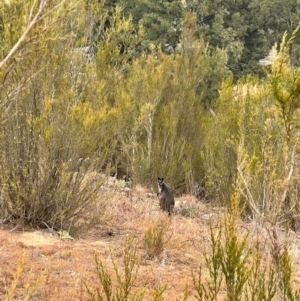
(166, 199)
(160, 184)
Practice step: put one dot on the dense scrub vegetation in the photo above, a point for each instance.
(80, 95)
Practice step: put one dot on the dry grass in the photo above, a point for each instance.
(65, 265)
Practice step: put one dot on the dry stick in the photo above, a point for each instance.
(273, 232)
(38, 17)
(251, 200)
(288, 179)
(276, 249)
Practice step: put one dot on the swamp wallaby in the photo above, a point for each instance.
(166, 199)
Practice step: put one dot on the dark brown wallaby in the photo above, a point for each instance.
(166, 199)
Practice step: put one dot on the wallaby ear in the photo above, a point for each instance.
(158, 178)
(162, 179)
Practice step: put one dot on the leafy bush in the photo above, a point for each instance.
(47, 151)
(252, 145)
(45, 174)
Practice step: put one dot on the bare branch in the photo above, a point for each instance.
(25, 33)
(250, 197)
(36, 18)
(290, 173)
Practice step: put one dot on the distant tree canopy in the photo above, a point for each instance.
(246, 29)
(160, 19)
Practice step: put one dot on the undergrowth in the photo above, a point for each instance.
(232, 268)
(30, 285)
(241, 271)
(125, 276)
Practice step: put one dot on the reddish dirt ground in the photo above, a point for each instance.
(64, 267)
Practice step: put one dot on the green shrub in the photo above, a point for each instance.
(39, 189)
(226, 263)
(242, 270)
(48, 143)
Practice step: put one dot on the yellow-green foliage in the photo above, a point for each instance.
(242, 269)
(285, 86)
(156, 237)
(31, 288)
(147, 113)
(42, 146)
(121, 38)
(142, 112)
(253, 140)
(233, 269)
(162, 116)
(122, 289)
